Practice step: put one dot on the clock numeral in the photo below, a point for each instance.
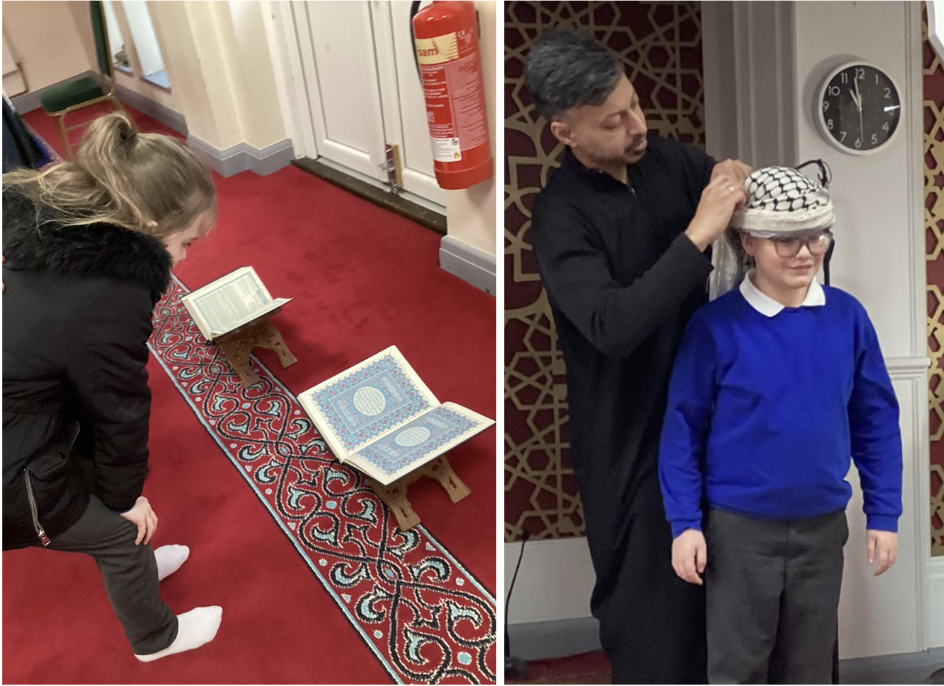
(858, 142)
(829, 124)
(845, 77)
(888, 93)
(825, 105)
(885, 126)
(860, 73)
(876, 80)
(842, 135)
(874, 138)
(834, 90)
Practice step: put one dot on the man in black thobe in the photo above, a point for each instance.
(620, 233)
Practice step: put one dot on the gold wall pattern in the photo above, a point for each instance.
(932, 69)
(660, 44)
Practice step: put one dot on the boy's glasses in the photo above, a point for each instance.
(790, 246)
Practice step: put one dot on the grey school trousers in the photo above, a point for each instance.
(772, 598)
(129, 572)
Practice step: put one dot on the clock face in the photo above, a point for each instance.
(860, 108)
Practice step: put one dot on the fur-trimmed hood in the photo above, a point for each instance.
(97, 250)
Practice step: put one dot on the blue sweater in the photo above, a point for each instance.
(764, 413)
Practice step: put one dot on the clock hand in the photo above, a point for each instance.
(859, 107)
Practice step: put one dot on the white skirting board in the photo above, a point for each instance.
(554, 583)
(468, 263)
(243, 157)
(936, 603)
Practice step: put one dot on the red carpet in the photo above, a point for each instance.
(586, 668)
(362, 279)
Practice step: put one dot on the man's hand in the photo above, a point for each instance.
(733, 170)
(143, 517)
(689, 556)
(718, 201)
(883, 546)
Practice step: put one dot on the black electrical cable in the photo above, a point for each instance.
(514, 667)
(825, 173)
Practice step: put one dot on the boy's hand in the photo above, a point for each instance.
(883, 545)
(689, 556)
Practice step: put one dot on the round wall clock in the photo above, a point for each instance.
(859, 108)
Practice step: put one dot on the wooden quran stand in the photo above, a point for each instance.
(237, 345)
(394, 494)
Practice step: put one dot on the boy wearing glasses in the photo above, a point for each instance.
(776, 384)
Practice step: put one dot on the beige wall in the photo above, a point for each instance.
(215, 53)
(49, 38)
(217, 61)
(470, 214)
(212, 114)
(254, 80)
(172, 26)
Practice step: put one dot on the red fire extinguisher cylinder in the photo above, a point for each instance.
(446, 41)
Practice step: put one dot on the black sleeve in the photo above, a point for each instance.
(575, 271)
(107, 369)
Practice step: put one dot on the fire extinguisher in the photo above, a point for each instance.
(446, 47)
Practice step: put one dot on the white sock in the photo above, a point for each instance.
(169, 559)
(197, 627)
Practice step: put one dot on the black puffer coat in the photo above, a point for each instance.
(77, 312)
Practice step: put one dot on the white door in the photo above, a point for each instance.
(341, 81)
(362, 89)
(403, 105)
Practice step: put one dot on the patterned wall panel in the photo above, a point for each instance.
(660, 44)
(933, 147)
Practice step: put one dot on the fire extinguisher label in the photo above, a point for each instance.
(452, 86)
(437, 50)
(446, 150)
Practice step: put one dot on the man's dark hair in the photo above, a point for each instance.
(568, 68)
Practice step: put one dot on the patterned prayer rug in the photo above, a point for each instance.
(424, 617)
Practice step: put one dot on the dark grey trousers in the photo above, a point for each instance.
(772, 598)
(129, 572)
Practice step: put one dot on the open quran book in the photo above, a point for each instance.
(379, 417)
(232, 301)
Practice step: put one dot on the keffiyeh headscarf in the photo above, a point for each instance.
(780, 200)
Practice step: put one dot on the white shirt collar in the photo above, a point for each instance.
(767, 306)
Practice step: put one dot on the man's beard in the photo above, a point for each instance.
(602, 158)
